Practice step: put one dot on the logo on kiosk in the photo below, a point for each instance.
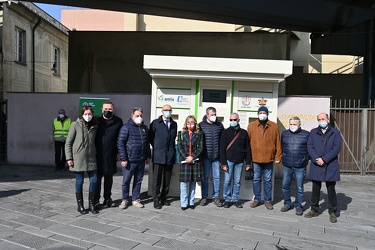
(262, 101)
(246, 100)
(181, 98)
(165, 99)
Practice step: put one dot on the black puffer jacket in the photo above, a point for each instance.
(212, 134)
(294, 147)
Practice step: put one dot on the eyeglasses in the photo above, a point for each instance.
(167, 109)
(232, 120)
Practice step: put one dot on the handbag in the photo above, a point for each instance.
(231, 143)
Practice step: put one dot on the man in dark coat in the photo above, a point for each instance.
(295, 158)
(212, 130)
(109, 126)
(234, 150)
(162, 136)
(134, 151)
(324, 145)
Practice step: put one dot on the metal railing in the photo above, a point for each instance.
(357, 127)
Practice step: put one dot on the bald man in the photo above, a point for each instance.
(324, 145)
(162, 136)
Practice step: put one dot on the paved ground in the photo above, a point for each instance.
(38, 211)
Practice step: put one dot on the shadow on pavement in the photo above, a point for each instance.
(8, 193)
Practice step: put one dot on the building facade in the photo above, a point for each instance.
(34, 50)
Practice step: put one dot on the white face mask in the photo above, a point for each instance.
(138, 120)
(61, 116)
(87, 118)
(262, 117)
(293, 128)
(212, 118)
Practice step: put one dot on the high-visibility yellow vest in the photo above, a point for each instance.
(59, 129)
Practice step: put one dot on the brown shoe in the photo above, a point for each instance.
(332, 217)
(311, 214)
(254, 204)
(268, 205)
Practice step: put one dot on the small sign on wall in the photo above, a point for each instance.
(176, 97)
(252, 100)
(95, 103)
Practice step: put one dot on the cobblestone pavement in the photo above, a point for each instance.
(38, 211)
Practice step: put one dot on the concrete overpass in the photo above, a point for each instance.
(337, 26)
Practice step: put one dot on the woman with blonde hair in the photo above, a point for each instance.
(190, 147)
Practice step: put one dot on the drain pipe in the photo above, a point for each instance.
(34, 28)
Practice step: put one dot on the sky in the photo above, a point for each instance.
(52, 10)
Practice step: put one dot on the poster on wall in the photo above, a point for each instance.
(250, 101)
(306, 108)
(176, 97)
(95, 103)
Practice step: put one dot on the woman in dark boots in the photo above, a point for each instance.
(81, 155)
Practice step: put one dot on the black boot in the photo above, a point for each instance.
(92, 203)
(80, 208)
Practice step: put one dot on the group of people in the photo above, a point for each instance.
(95, 144)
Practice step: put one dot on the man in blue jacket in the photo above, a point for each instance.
(212, 130)
(162, 136)
(134, 152)
(295, 158)
(324, 145)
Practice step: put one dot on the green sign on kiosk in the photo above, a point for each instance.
(95, 103)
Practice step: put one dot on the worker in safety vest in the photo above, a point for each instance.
(60, 129)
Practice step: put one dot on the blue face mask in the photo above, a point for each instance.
(233, 123)
(167, 114)
(323, 124)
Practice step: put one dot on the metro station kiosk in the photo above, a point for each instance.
(192, 84)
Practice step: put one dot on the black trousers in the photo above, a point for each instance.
(60, 158)
(332, 199)
(107, 186)
(161, 174)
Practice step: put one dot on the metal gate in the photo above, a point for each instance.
(3, 131)
(357, 126)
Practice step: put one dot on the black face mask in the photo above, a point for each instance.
(107, 113)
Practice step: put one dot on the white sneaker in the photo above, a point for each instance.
(124, 204)
(137, 203)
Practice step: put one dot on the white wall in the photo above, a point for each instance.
(30, 116)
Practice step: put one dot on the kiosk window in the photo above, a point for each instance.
(214, 95)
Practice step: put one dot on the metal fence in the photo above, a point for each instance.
(357, 126)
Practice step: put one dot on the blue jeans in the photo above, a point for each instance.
(80, 177)
(137, 170)
(265, 170)
(234, 171)
(187, 193)
(207, 165)
(299, 174)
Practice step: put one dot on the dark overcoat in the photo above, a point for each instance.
(326, 146)
(106, 144)
(163, 142)
(190, 172)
